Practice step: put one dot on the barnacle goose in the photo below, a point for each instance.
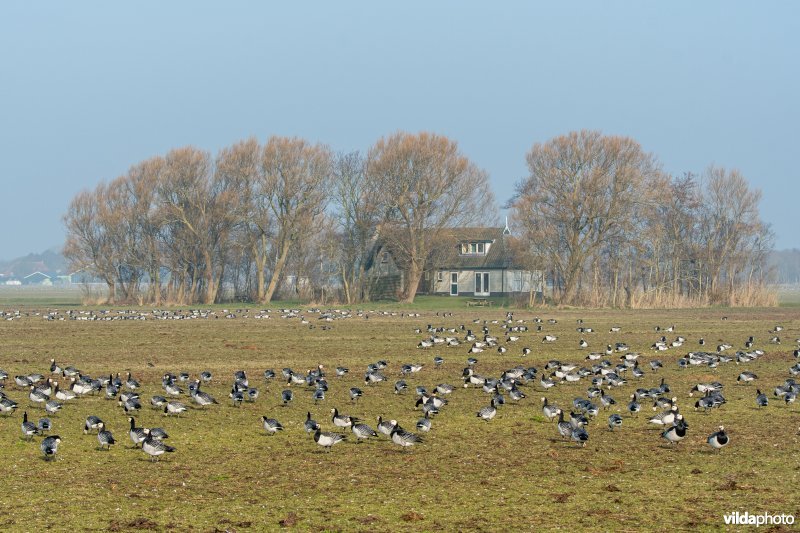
(104, 437)
(746, 377)
(202, 398)
(761, 399)
(174, 408)
(488, 412)
(158, 401)
(438, 361)
(614, 421)
(310, 424)
(549, 410)
(424, 423)
(63, 395)
(400, 386)
(342, 421)
(206, 376)
(355, 393)
(327, 439)
(49, 446)
(362, 432)
(718, 439)
(271, 426)
(93, 423)
(7, 405)
(52, 406)
(155, 448)
(287, 396)
(318, 395)
(137, 435)
(131, 383)
(666, 418)
(44, 425)
(386, 426)
(237, 397)
(677, 432)
(579, 435)
(402, 437)
(36, 395)
(29, 429)
(157, 433)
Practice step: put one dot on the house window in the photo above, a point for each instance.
(473, 248)
(440, 276)
(385, 257)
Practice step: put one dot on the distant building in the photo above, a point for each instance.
(37, 278)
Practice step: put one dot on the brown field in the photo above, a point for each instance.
(513, 472)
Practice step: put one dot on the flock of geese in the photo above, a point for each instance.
(604, 372)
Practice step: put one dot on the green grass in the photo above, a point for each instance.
(511, 473)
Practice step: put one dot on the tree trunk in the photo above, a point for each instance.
(276, 274)
(412, 282)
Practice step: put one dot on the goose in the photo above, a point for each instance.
(438, 361)
(761, 399)
(137, 435)
(155, 448)
(516, 394)
(444, 388)
(564, 427)
(549, 338)
(342, 421)
(63, 395)
(402, 437)
(355, 394)
(655, 364)
(373, 377)
(269, 374)
(546, 383)
(54, 368)
(746, 377)
(206, 376)
(400, 386)
(105, 438)
(424, 423)
(130, 403)
(157, 433)
(287, 396)
(386, 426)
(666, 418)
(37, 395)
(44, 425)
(327, 440)
(52, 406)
(488, 412)
(677, 432)
(310, 424)
(237, 397)
(583, 344)
(362, 432)
(272, 426)
(174, 408)
(614, 421)
(92, 423)
(158, 402)
(23, 382)
(171, 389)
(49, 446)
(550, 411)
(131, 383)
(202, 398)
(471, 361)
(7, 405)
(579, 435)
(29, 429)
(718, 439)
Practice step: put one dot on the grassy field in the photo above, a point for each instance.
(513, 472)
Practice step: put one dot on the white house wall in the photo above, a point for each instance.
(499, 281)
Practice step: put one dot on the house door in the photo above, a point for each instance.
(481, 284)
(453, 283)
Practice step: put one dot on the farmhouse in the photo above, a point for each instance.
(37, 278)
(477, 262)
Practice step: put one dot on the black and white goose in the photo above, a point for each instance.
(202, 398)
(550, 410)
(174, 408)
(488, 412)
(105, 438)
(386, 426)
(92, 423)
(310, 424)
(327, 439)
(7, 405)
(579, 435)
(52, 406)
(155, 448)
(614, 421)
(137, 435)
(402, 437)
(362, 432)
(131, 383)
(63, 395)
(158, 401)
(424, 423)
(342, 421)
(677, 432)
(718, 439)
(271, 425)
(29, 429)
(37, 395)
(287, 396)
(49, 446)
(44, 425)
(761, 399)
(237, 397)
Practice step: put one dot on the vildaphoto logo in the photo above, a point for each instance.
(763, 519)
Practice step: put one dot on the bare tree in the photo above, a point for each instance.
(426, 184)
(295, 178)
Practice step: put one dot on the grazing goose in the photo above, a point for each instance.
(202, 398)
(386, 426)
(546, 383)
(677, 432)
(131, 383)
(550, 411)
(355, 393)
(137, 435)
(29, 429)
(327, 439)
(158, 433)
(402, 437)
(488, 412)
(400, 386)
(342, 421)
(44, 426)
(52, 406)
(37, 395)
(438, 361)
(7, 405)
(310, 424)
(272, 426)
(105, 438)
(579, 435)
(63, 395)
(362, 432)
(614, 421)
(174, 408)
(761, 399)
(718, 439)
(49, 446)
(666, 418)
(424, 424)
(158, 402)
(287, 396)
(155, 448)
(237, 397)
(318, 395)
(93, 423)
(746, 377)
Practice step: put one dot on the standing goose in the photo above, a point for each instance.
(718, 439)
(131, 383)
(49, 446)
(326, 439)
(7, 405)
(386, 426)
(310, 424)
(579, 435)
(362, 432)
(154, 447)
(93, 423)
(52, 406)
(488, 412)
(677, 432)
(29, 429)
(137, 435)
(202, 398)
(355, 393)
(37, 395)
(761, 399)
(271, 426)
(44, 426)
(614, 421)
(402, 437)
(424, 424)
(105, 438)
(63, 395)
(342, 421)
(237, 397)
(550, 410)
(287, 396)
(633, 406)
(564, 428)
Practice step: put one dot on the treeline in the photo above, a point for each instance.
(612, 229)
(289, 215)
(293, 219)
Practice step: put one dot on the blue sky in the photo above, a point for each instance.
(90, 88)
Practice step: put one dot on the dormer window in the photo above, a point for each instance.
(474, 248)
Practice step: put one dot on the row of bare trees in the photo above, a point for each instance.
(612, 229)
(289, 214)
